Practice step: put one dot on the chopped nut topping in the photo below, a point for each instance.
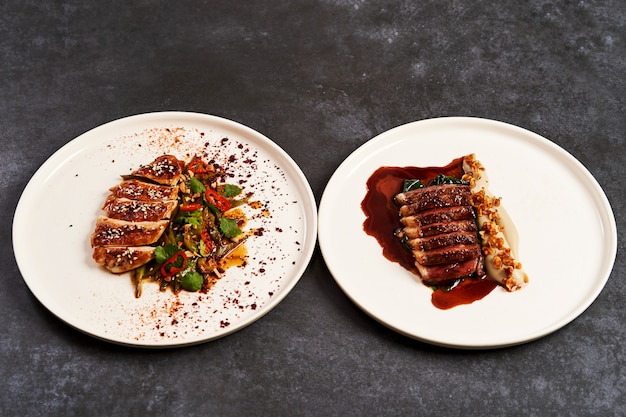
(486, 206)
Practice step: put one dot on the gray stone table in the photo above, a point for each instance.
(320, 78)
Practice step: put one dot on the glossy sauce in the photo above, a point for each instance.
(382, 220)
(238, 257)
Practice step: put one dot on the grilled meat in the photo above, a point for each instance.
(137, 214)
(135, 189)
(119, 259)
(138, 211)
(440, 229)
(113, 232)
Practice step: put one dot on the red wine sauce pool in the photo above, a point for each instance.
(382, 220)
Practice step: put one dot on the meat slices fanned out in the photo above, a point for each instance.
(118, 259)
(165, 170)
(137, 214)
(138, 211)
(440, 228)
(134, 189)
(460, 230)
(113, 232)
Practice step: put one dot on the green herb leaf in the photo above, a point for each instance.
(445, 179)
(410, 185)
(229, 227)
(163, 253)
(192, 281)
(193, 218)
(175, 261)
(196, 186)
(230, 190)
(405, 242)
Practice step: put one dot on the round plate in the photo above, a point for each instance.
(57, 212)
(567, 233)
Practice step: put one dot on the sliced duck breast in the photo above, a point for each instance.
(436, 196)
(440, 229)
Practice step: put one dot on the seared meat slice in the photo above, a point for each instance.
(445, 273)
(143, 191)
(118, 259)
(443, 240)
(436, 196)
(441, 215)
(440, 229)
(165, 170)
(138, 211)
(136, 214)
(113, 232)
(447, 255)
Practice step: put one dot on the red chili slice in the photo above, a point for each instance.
(197, 166)
(206, 238)
(218, 200)
(174, 265)
(190, 207)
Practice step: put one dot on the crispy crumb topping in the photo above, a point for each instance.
(487, 207)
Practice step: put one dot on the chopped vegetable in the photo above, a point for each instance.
(229, 227)
(217, 200)
(413, 184)
(196, 186)
(190, 207)
(192, 281)
(197, 166)
(207, 242)
(445, 179)
(165, 252)
(200, 234)
(193, 218)
(410, 185)
(174, 265)
(230, 190)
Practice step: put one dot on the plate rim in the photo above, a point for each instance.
(608, 219)
(309, 213)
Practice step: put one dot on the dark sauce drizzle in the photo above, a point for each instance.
(382, 220)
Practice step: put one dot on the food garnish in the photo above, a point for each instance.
(497, 231)
(173, 223)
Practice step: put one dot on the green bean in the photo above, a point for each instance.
(138, 279)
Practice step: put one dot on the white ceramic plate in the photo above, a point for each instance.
(57, 211)
(568, 238)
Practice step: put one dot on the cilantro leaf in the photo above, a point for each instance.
(229, 227)
(193, 218)
(230, 190)
(196, 186)
(163, 253)
(192, 281)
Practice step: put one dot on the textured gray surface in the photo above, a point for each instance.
(320, 78)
